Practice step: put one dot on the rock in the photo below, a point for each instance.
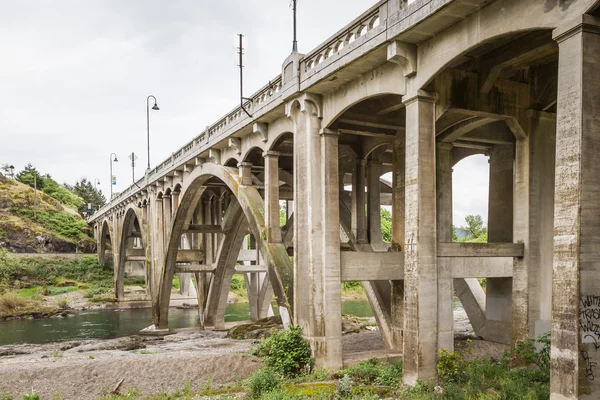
(256, 330)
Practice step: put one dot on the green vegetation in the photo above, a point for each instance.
(474, 232)
(25, 280)
(286, 352)
(63, 224)
(386, 224)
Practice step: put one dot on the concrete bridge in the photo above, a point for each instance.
(408, 88)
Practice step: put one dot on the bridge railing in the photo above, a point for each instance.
(344, 40)
(206, 139)
(341, 43)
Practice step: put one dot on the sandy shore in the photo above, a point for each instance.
(90, 369)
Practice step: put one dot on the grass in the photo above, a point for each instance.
(62, 275)
(62, 223)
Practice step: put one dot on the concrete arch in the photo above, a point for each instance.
(385, 80)
(232, 162)
(251, 203)
(248, 153)
(277, 139)
(105, 232)
(502, 18)
(132, 215)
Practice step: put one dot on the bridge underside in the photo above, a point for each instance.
(292, 198)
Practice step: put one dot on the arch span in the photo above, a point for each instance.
(251, 203)
(132, 228)
(106, 238)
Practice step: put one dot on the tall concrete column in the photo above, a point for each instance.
(168, 217)
(331, 270)
(576, 278)
(359, 221)
(398, 220)
(208, 237)
(500, 229)
(444, 235)
(317, 305)
(272, 196)
(159, 259)
(420, 261)
(374, 204)
(148, 243)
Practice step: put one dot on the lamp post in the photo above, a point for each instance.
(97, 182)
(154, 107)
(111, 173)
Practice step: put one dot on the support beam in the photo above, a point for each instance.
(420, 265)
(198, 228)
(382, 266)
(576, 282)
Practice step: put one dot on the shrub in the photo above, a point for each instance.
(10, 301)
(451, 367)
(374, 371)
(265, 380)
(63, 303)
(286, 352)
(344, 386)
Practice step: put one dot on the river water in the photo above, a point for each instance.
(109, 324)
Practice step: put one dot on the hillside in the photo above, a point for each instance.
(58, 229)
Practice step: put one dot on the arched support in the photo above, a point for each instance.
(251, 203)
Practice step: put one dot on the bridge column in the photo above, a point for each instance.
(444, 235)
(272, 197)
(576, 278)
(359, 228)
(374, 204)
(420, 262)
(148, 243)
(498, 293)
(398, 220)
(158, 262)
(317, 277)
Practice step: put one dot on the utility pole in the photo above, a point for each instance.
(133, 157)
(35, 197)
(241, 65)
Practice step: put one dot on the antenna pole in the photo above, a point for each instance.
(295, 43)
(241, 54)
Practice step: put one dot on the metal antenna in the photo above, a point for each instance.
(241, 65)
(294, 4)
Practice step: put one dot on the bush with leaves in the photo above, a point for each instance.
(265, 380)
(286, 351)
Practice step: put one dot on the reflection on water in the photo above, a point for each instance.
(109, 324)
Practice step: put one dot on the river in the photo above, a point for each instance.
(109, 324)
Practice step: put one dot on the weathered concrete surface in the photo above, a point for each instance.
(576, 279)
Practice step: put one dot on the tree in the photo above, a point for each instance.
(386, 225)
(454, 234)
(9, 170)
(475, 227)
(28, 176)
(90, 195)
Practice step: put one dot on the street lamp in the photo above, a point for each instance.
(111, 173)
(154, 107)
(97, 182)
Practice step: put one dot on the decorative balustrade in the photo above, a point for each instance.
(332, 48)
(340, 41)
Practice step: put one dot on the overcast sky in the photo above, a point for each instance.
(75, 75)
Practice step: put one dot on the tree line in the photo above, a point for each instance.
(77, 196)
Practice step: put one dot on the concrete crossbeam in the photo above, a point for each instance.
(480, 250)
(382, 266)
